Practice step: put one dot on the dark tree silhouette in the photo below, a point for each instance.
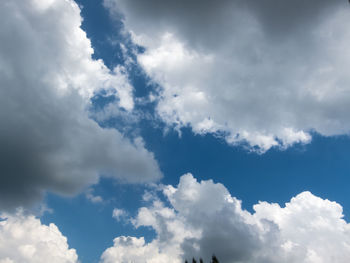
(214, 259)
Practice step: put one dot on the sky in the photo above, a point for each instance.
(158, 131)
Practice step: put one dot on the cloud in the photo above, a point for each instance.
(264, 73)
(95, 199)
(203, 218)
(47, 77)
(24, 239)
(119, 214)
(132, 249)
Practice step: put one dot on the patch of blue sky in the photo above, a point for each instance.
(321, 167)
(90, 227)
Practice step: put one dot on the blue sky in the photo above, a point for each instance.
(259, 109)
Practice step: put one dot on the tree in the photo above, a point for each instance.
(214, 259)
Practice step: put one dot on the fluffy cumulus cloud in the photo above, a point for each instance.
(203, 218)
(24, 239)
(133, 249)
(265, 73)
(47, 77)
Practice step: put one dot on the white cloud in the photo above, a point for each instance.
(119, 214)
(89, 194)
(24, 239)
(47, 77)
(132, 249)
(203, 218)
(262, 72)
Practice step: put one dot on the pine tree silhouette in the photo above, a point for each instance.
(214, 259)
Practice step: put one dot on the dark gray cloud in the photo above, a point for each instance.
(47, 141)
(235, 245)
(283, 17)
(203, 23)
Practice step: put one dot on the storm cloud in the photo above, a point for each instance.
(47, 77)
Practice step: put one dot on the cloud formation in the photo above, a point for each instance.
(95, 199)
(119, 214)
(133, 249)
(203, 218)
(47, 77)
(265, 73)
(24, 239)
